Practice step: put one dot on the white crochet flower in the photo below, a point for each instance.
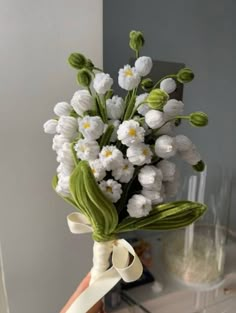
(58, 141)
(168, 170)
(87, 149)
(91, 127)
(139, 154)
(115, 107)
(102, 83)
(111, 189)
(67, 126)
(168, 85)
(62, 109)
(191, 156)
(128, 78)
(143, 65)
(165, 146)
(65, 155)
(154, 119)
(150, 177)
(142, 108)
(65, 169)
(111, 157)
(63, 186)
(116, 124)
(155, 196)
(139, 206)
(173, 108)
(97, 169)
(183, 143)
(124, 172)
(50, 127)
(82, 101)
(129, 133)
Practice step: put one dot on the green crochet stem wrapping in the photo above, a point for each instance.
(87, 197)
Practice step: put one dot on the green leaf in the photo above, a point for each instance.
(87, 195)
(165, 216)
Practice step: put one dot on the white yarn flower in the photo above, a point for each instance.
(116, 124)
(91, 127)
(150, 177)
(102, 83)
(87, 149)
(124, 172)
(154, 119)
(165, 146)
(139, 154)
(65, 155)
(139, 206)
(143, 65)
(62, 109)
(183, 143)
(82, 101)
(142, 108)
(111, 189)
(129, 133)
(168, 85)
(58, 141)
(191, 156)
(50, 127)
(63, 186)
(155, 196)
(115, 107)
(168, 170)
(97, 169)
(128, 78)
(65, 169)
(173, 108)
(111, 157)
(67, 126)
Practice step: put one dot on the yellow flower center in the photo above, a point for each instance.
(128, 72)
(145, 152)
(126, 167)
(82, 148)
(93, 170)
(108, 189)
(107, 153)
(86, 125)
(132, 132)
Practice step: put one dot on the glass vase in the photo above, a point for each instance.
(195, 255)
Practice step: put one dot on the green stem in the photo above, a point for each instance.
(160, 80)
(136, 108)
(130, 106)
(137, 54)
(101, 109)
(89, 90)
(98, 69)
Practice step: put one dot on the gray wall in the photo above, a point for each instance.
(199, 33)
(44, 262)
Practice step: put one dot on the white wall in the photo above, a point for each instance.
(43, 261)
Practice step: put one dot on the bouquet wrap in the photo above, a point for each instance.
(113, 163)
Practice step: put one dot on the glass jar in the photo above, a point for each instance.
(195, 255)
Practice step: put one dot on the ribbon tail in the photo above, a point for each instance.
(100, 287)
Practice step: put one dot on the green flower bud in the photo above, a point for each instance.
(136, 40)
(198, 119)
(77, 60)
(199, 167)
(157, 99)
(147, 84)
(185, 75)
(84, 77)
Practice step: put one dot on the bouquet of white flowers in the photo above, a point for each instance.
(114, 166)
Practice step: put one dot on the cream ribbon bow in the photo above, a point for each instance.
(121, 250)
